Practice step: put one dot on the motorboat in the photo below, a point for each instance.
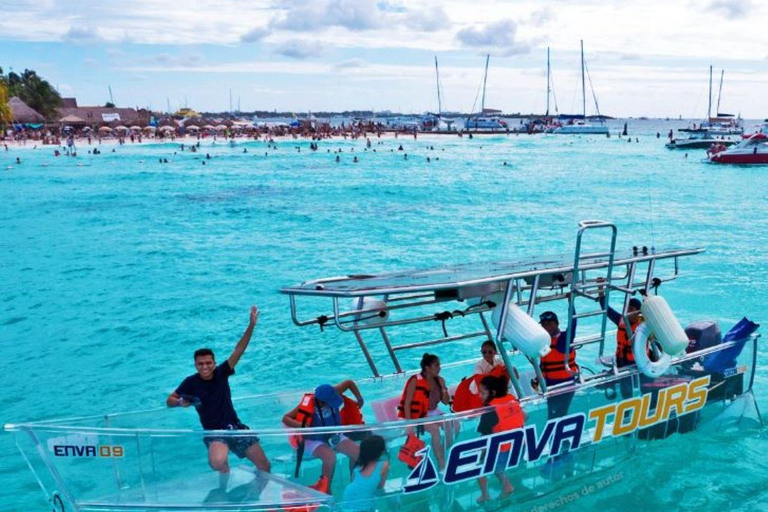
(485, 123)
(581, 127)
(699, 139)
(154, 460)
(752, 150)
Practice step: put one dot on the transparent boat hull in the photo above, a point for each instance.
(156, 461)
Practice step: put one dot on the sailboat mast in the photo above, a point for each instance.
(548, 83)
(583, 88)
(719, 93)
(485, 79)
(437, 79)
(709, 109)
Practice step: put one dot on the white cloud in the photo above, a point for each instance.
(427, 20)
(300, 49)
(178, 61)
(732, 9)
(352, 63)
(319, 14)
(498, 36)
(541, 17)
(255, 34)
(81, 35)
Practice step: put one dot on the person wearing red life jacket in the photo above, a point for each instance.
(624, 353)
(327, 407)
(421, 396)
(505, 415)
(553, 365)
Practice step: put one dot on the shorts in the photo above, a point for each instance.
(237, 444)
(310, 445)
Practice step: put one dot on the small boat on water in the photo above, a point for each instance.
(721, 124)
(752, 150)
(577, 125)
(682, 381)
(699, 139)
(485, 120)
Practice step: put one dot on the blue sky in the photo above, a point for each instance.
(647, 57)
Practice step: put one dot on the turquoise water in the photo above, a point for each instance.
(117, 267)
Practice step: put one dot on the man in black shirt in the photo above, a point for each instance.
(208, 390)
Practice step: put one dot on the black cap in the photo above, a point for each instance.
(635, 303)
(548, 316)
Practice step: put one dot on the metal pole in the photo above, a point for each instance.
(583, 89)
(548, 83)
(437, 79)
(499, 333)
(485, 80)
(709, 109)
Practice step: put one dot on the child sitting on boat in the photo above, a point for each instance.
(326, 407)
(506, 415)
(368, 476)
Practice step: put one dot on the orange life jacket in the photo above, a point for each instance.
(510, 415)
(420, 401)
(624, 354)
(407, 453)
(349, 414)
(553, 364)
(464, 399)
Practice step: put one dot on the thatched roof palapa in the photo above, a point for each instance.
(23, 113)
(71, 120)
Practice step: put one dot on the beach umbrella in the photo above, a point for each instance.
(105, 129)
(136, 128)
(167, 128)
(121, 128)
(193, 128)
(149, 128)
(221, 127)
(209, 127)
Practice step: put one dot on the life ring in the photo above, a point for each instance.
(652, 369)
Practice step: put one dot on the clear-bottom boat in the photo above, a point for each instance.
(155, 460)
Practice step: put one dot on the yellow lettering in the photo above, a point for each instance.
(697, 396)
(675, 398)
(645, 419)
(117, 451)
(105, 451)
(631, 405)
(599, 415)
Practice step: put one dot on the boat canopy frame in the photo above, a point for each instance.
(525, 283)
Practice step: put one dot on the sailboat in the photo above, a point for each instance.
(483, 121)
(435, 122)
(713, 129)
(544, 124)
(579, 125)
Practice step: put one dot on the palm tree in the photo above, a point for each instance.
(34, 91)
(6, 116)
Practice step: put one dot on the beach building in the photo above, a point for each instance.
(70, 114)
(25, 116)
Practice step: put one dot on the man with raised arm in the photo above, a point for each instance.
(208, 390)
